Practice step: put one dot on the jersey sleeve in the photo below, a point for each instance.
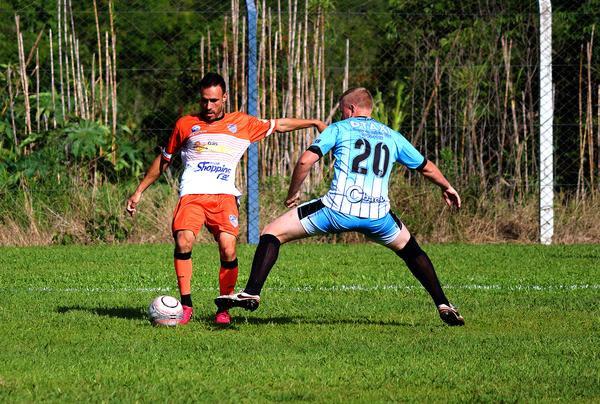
(173, 144)
(407, 154)
(259, 129)
(326, 140)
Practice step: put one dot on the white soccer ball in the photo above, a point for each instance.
(165, 311)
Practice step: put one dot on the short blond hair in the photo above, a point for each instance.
(359, 96)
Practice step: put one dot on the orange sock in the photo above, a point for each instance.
(228, 274)
(183, 269)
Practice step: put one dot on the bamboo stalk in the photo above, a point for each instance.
(235, 48)
(114, 82)
(579, 191)
(589, 111)
(525, 141)
(513, 109)
(346, 66)
(269, 156)
(67, 82)
(74, 76)
(208, 49)
(305, 103)
(53, 88)
(279, 19)
(80, 86)
(436, 111)
(37, 90)
(100, 76)
(78, 98)
(23, 74)
(288, 107)
(34, 48)
(93, 89)
(202, 56)
(243, 69)
(60, 62)
(274, 86)
(12, 107)
(598, 129)
(298, 71)
(269, 52)
(225, 68)
(108, 78)
(86, 100)
(66, 38)
(261, 63)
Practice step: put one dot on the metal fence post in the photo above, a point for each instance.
(546, 121)
(252, 185)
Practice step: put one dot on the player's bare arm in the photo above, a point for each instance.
(290, 124)
(301, 170)
(433, 174)
(158, 166)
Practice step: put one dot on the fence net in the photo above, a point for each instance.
(459, 79)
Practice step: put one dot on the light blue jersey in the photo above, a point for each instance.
(364, 151)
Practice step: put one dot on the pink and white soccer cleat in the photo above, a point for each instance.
(222, 318)
(187, 315)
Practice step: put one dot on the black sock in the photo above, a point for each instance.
(264, 259)
(421, 267)
(186, 300)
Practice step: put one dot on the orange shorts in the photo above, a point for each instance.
(218, 212)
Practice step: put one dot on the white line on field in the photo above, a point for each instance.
(308, 288)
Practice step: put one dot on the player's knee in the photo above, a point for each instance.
(268, 229)
(184, 241)
(411, 249)
(268, 238)
(227, 253)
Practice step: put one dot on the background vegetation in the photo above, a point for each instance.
(89, 90)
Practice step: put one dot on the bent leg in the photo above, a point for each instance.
(419, 264)
(282, 230)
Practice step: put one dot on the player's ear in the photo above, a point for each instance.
(224, 97)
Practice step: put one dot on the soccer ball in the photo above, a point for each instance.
(165, 311)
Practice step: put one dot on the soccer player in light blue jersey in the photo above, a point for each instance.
(357, 200)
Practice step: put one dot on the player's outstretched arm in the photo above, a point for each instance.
(290, 124)
(154, 171)
(433, 174)
(306, 161)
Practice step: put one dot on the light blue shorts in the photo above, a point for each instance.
(317, 218)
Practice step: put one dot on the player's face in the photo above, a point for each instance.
(212, 103)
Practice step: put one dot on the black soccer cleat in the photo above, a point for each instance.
(449, 315)
(241, 299)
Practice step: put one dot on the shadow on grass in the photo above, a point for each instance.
(238, 318)
(290, 320)
(129, 313)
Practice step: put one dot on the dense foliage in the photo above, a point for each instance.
(459, 79)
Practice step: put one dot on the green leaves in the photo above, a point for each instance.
(87, 140)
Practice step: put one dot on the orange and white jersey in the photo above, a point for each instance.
(210, 151)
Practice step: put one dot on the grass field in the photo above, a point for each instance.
(337, 323)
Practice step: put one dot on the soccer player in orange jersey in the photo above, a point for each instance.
(211, 144)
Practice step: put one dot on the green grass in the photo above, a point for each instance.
(337, 323)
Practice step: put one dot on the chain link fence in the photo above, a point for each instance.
(461, 81)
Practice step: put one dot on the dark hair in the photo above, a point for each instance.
(213, 80)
